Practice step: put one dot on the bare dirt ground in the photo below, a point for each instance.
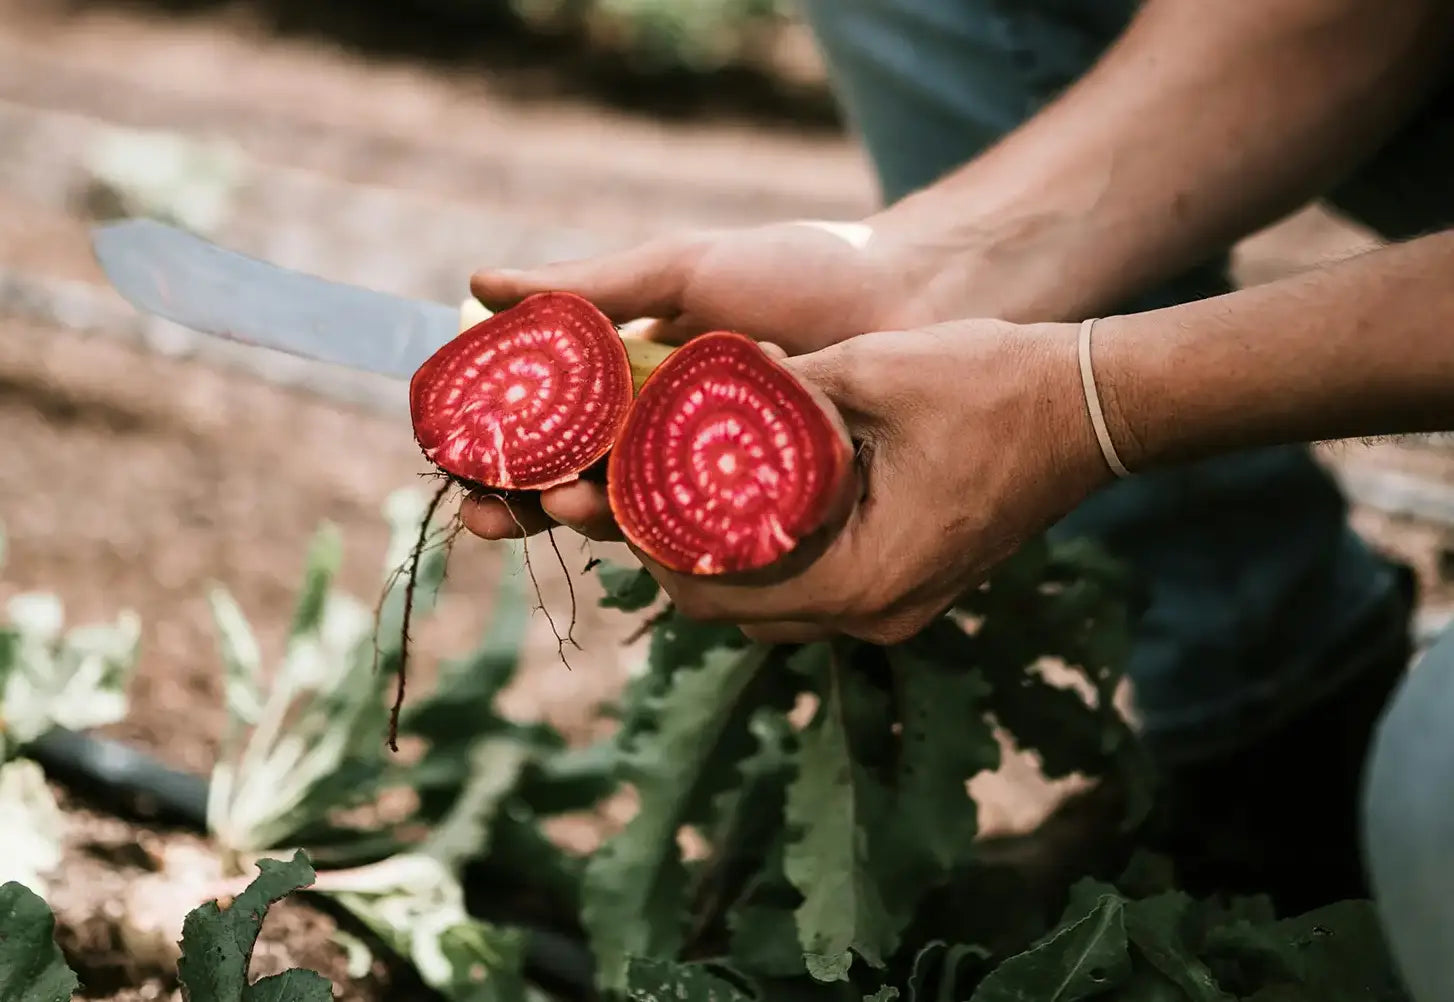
(131, 479)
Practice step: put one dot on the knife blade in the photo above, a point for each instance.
(181, 277)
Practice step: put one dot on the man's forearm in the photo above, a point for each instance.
(1361, 348)
(1202, 123)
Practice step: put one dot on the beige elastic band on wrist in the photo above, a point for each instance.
(1093, 402)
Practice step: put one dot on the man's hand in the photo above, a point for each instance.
(1143, 168)
(974, 437)
(801, 285)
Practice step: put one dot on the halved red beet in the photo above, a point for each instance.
(727, 463)
(527, 399)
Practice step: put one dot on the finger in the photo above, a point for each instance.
(773, 351)
(841, 372)
(673, 332)
(582, 506)
(645, 281)
(786, 633)
(489, 517)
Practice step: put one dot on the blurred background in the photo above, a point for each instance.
(399, 144)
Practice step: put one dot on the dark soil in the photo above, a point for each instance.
(119, 882)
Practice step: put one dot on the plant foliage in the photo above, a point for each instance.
(31, 966)
(824, 839)
(53, 677)
(217, 946)
(50, 677)
(803, 831)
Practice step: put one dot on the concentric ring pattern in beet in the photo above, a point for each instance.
(527, 399)
(726, 461)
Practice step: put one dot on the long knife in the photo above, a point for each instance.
(180, 276)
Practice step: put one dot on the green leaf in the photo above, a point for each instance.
(649, 980)
(888, 993)
(486, 963)
(764, 941)
(629, 589)
(10, 641)
(495, 768)
(405, 510)
(1080, 961)
(1344, 952)
(946, 742)
(75, 679)
(636, 884)
(838, 811)
(316, 744)
(1155, 929)
(461, 709)
(1068, 603)
(1052, 721)
(468, 686)
(922, 974)
(241, 659)
(217, 944)
(829, 966)
(519, 846)
(570, 779)
(1334, 954)
(1245, 956)
(325, 553)
(32, 968)
(414, 903)
(678, 642)
(746, 832)
(290, 986)
(317, 747)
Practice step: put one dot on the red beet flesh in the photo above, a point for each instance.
(727, 463)
(527, 399)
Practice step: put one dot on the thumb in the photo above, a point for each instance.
(841, 373)
(645, 281)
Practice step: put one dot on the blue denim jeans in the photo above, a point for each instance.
(1254, 581)
(1408, 824)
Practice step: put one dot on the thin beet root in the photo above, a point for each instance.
(527, 399)
(415, 556)
(728, 464)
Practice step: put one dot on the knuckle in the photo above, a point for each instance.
(847, 366)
